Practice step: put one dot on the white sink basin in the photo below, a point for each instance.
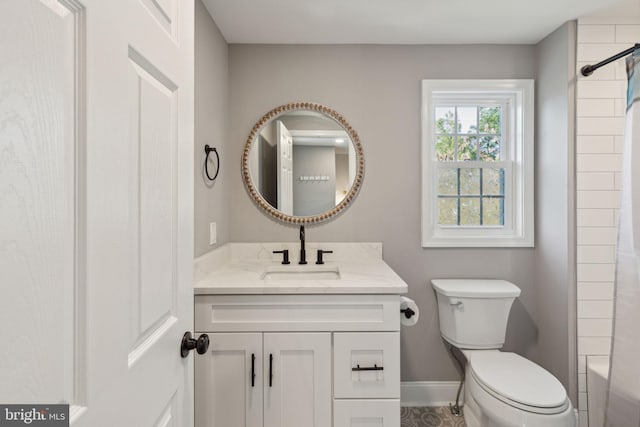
(301, 272)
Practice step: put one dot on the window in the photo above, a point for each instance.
(477, 163)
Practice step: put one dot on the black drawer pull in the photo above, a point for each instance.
(368, 368)
(253, 370)
(270, 370)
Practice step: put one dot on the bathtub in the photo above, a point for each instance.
(597, 383)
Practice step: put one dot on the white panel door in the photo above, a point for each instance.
(297, 372)
(285, 168)
(40, 143)
(97, 200)
(139, 211)
(229, 382)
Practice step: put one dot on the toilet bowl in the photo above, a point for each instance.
(502, 389)
(505, 389)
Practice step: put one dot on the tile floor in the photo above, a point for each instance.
(429, 417)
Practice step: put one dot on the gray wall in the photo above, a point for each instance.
(211, 127)
(555, 199)
(313, 197)
(377, 88)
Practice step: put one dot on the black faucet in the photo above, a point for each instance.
(320, 253)
(303, 253)
(285, 255)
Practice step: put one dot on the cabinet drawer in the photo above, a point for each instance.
(366, 365)
(366, 413)
(293, 313)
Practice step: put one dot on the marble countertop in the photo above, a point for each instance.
(239, 268)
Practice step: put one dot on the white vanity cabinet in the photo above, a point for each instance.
(255, 379)
(318, 361)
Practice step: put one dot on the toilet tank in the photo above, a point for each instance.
(474, 313)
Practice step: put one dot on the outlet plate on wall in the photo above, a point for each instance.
(212, 233)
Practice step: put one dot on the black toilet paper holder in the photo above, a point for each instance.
(408, 313)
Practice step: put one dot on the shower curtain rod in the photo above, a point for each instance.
(587, 70)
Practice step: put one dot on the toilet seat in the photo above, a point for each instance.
(518, 382)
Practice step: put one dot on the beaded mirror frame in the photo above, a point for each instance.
(266, 206)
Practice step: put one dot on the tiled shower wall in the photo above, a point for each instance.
(600, 127)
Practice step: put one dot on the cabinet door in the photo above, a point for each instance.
(297, 379)
(226, 394)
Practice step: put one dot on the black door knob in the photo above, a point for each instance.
(188, 343)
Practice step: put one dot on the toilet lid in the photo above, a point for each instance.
(517, 380)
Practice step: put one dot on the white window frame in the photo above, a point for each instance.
(517, 154)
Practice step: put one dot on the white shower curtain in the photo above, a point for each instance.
(623, 404)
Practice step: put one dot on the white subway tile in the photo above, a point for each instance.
(583, 419)
(590, 107)
(596, 52)
(619, 107)
(582, 364)
(582, 401)
(597, 236)
(627, 34)
(620, 69)
(594, 346)
(595, 143)
(596, 254)
(582, 378)
(595, 327)
(617, 180)
(595, 273)
(597, 33)
(588, 309)
(618, 143)
(595, 217)
(601, 20)
(598, 359)
(595, 181)
(595, 290)
(595, 20)
(600, 126)
(604, 73)
(599, 162)
(587, 199)
(600, 108)
(601, 89)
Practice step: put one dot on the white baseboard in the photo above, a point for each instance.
(429, 393)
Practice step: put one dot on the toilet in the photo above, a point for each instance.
(501, 389)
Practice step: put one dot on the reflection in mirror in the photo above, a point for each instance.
(303, 163)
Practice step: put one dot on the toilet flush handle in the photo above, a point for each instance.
(455, 303)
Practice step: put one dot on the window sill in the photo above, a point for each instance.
(478, 242)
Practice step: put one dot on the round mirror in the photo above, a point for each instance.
(302, 163)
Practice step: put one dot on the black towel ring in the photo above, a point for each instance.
(208, 150)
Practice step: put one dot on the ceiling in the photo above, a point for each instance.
(403, 21)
